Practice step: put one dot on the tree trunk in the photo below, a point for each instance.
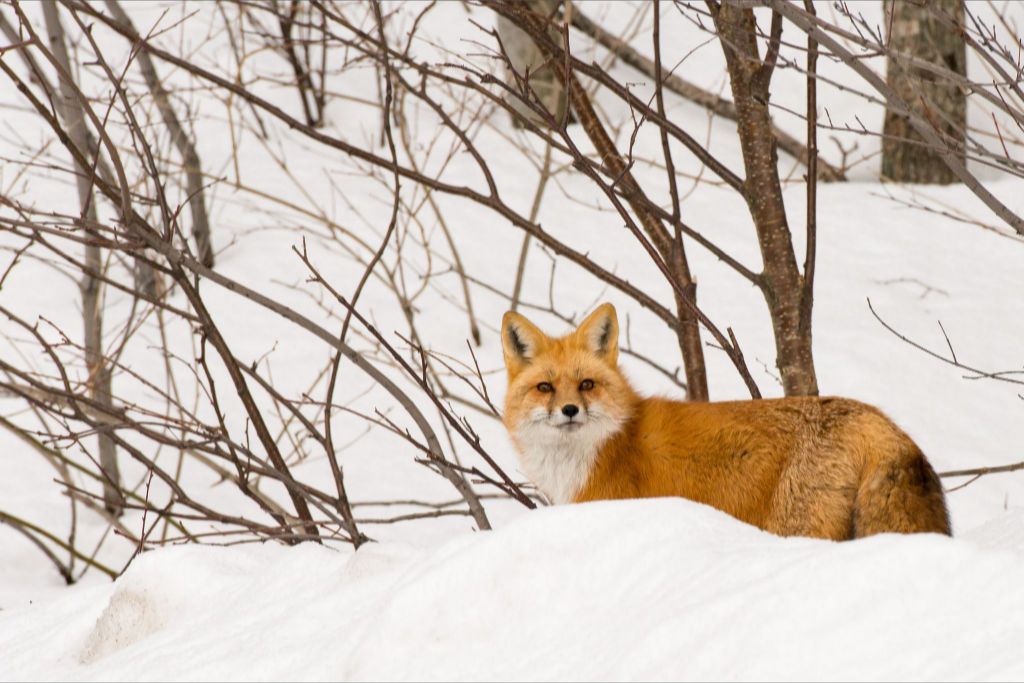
(528, 60)
(189, 156)
(781, 282)
(99, 376)
(916, 31)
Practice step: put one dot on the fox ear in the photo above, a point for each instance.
(600, 333)
(520, 341)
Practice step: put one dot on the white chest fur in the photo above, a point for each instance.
(558, 462)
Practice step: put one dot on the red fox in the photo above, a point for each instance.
(829, 468)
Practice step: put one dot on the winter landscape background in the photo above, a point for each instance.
(655, 589)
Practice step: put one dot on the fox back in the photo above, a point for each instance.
(805, 466)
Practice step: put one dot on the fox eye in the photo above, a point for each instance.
(545, 387)
(586, 385)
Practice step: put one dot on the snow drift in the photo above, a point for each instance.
(656, 589)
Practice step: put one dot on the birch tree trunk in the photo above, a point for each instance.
(528, 60)
(99, 376)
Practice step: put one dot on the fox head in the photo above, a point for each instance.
(566, 395)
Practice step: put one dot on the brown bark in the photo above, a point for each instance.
(781, 281)
(916, 31)
(303, 81)
(99, 375)
(807, 295)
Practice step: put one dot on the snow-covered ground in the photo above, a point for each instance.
(646, 589)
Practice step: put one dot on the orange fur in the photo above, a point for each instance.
(804, 466)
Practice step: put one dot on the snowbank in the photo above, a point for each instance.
(653, 589)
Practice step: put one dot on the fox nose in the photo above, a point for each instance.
(570, 410)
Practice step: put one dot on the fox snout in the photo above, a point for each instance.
(568, 417)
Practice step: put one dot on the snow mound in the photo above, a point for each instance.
(655, 589)
(129, 617)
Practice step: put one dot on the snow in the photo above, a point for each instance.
(638, 590)
(659, 589)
